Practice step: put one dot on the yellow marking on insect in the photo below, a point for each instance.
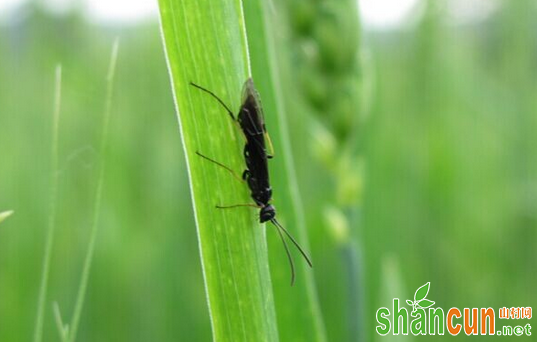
(271, 147)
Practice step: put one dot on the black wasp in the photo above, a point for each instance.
(252, 124)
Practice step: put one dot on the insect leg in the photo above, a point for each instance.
(221, 165)
(238, 205)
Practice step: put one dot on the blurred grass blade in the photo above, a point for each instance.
(63, 329)
(206, 44)
(298, 311)
(4, 215)
(98, 194)
(54, 179)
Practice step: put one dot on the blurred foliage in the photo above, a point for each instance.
(450, 151)
(452, 162)
(321, 74)
(297, 308)
(146, 281)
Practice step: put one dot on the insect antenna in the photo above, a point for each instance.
(276, 223)
(217, 99)
(278, 229)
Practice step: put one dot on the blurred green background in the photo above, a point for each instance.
(447, 150)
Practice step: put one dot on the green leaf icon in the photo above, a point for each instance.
(409, 302)
(422, 292)
(425, 303)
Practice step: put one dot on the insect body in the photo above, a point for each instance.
(251, 122)
(255, 153)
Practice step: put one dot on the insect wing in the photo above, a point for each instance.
(251, 101)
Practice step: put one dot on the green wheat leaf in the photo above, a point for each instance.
(298, 311)
(51, 228)
(205, 42)
(81, 295)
